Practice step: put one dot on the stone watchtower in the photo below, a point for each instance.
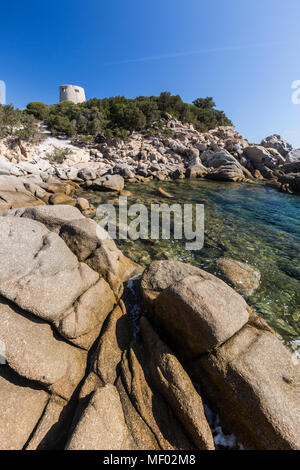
(72, 93)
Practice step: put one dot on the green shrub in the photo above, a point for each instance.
(38, 110)
(58, 154)
(20, 124)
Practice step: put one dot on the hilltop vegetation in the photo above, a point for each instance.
(18, 124)
(117, 117)
(112, 118)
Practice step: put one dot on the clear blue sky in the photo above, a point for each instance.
(244, 53)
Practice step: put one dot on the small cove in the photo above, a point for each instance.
(251, 223)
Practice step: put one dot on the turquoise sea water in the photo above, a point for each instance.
(246, 222)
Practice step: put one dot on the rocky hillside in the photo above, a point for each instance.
(219, 154)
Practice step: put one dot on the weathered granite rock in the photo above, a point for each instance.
(175, 385)
(9, 168)
(142, 435)
(151, 406)
(198, 315)
(54, 186)
(82, 204)
(293, 156)
(196, 171)
(35, 353)
(88, 241)
(102, 425)
(260, 157)
(253, 383)
(51, 431)
(67, 173)
(124, 170)
(61, 198)
(109, 183)
(30, 167)
(91, 244)
(53, 217)
(21, 406)
(115, 338)
(161, 274)
(229, 172)
(291, 167)
(36, 260)
(84, 320)
(218, 159)
(87, 174)
(37, 191)
(277, 142)
(14, 194)
(192, 309)
(243, 277)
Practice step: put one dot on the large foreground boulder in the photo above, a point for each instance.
(195, 312)
(71, 295)
(34, 352)
(52, 217)
(242, 368)
(254, 384)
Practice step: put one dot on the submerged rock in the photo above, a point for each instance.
(243, 277)
(164, 193)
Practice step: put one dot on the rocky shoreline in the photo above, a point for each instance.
(77, 375)
(81, 370)
(220, 154)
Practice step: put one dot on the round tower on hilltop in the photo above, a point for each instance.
(73, 93)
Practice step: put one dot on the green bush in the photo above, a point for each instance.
(58, 154)
(20, 124)
(38, 110)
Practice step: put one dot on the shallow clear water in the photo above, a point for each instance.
(246, 222)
